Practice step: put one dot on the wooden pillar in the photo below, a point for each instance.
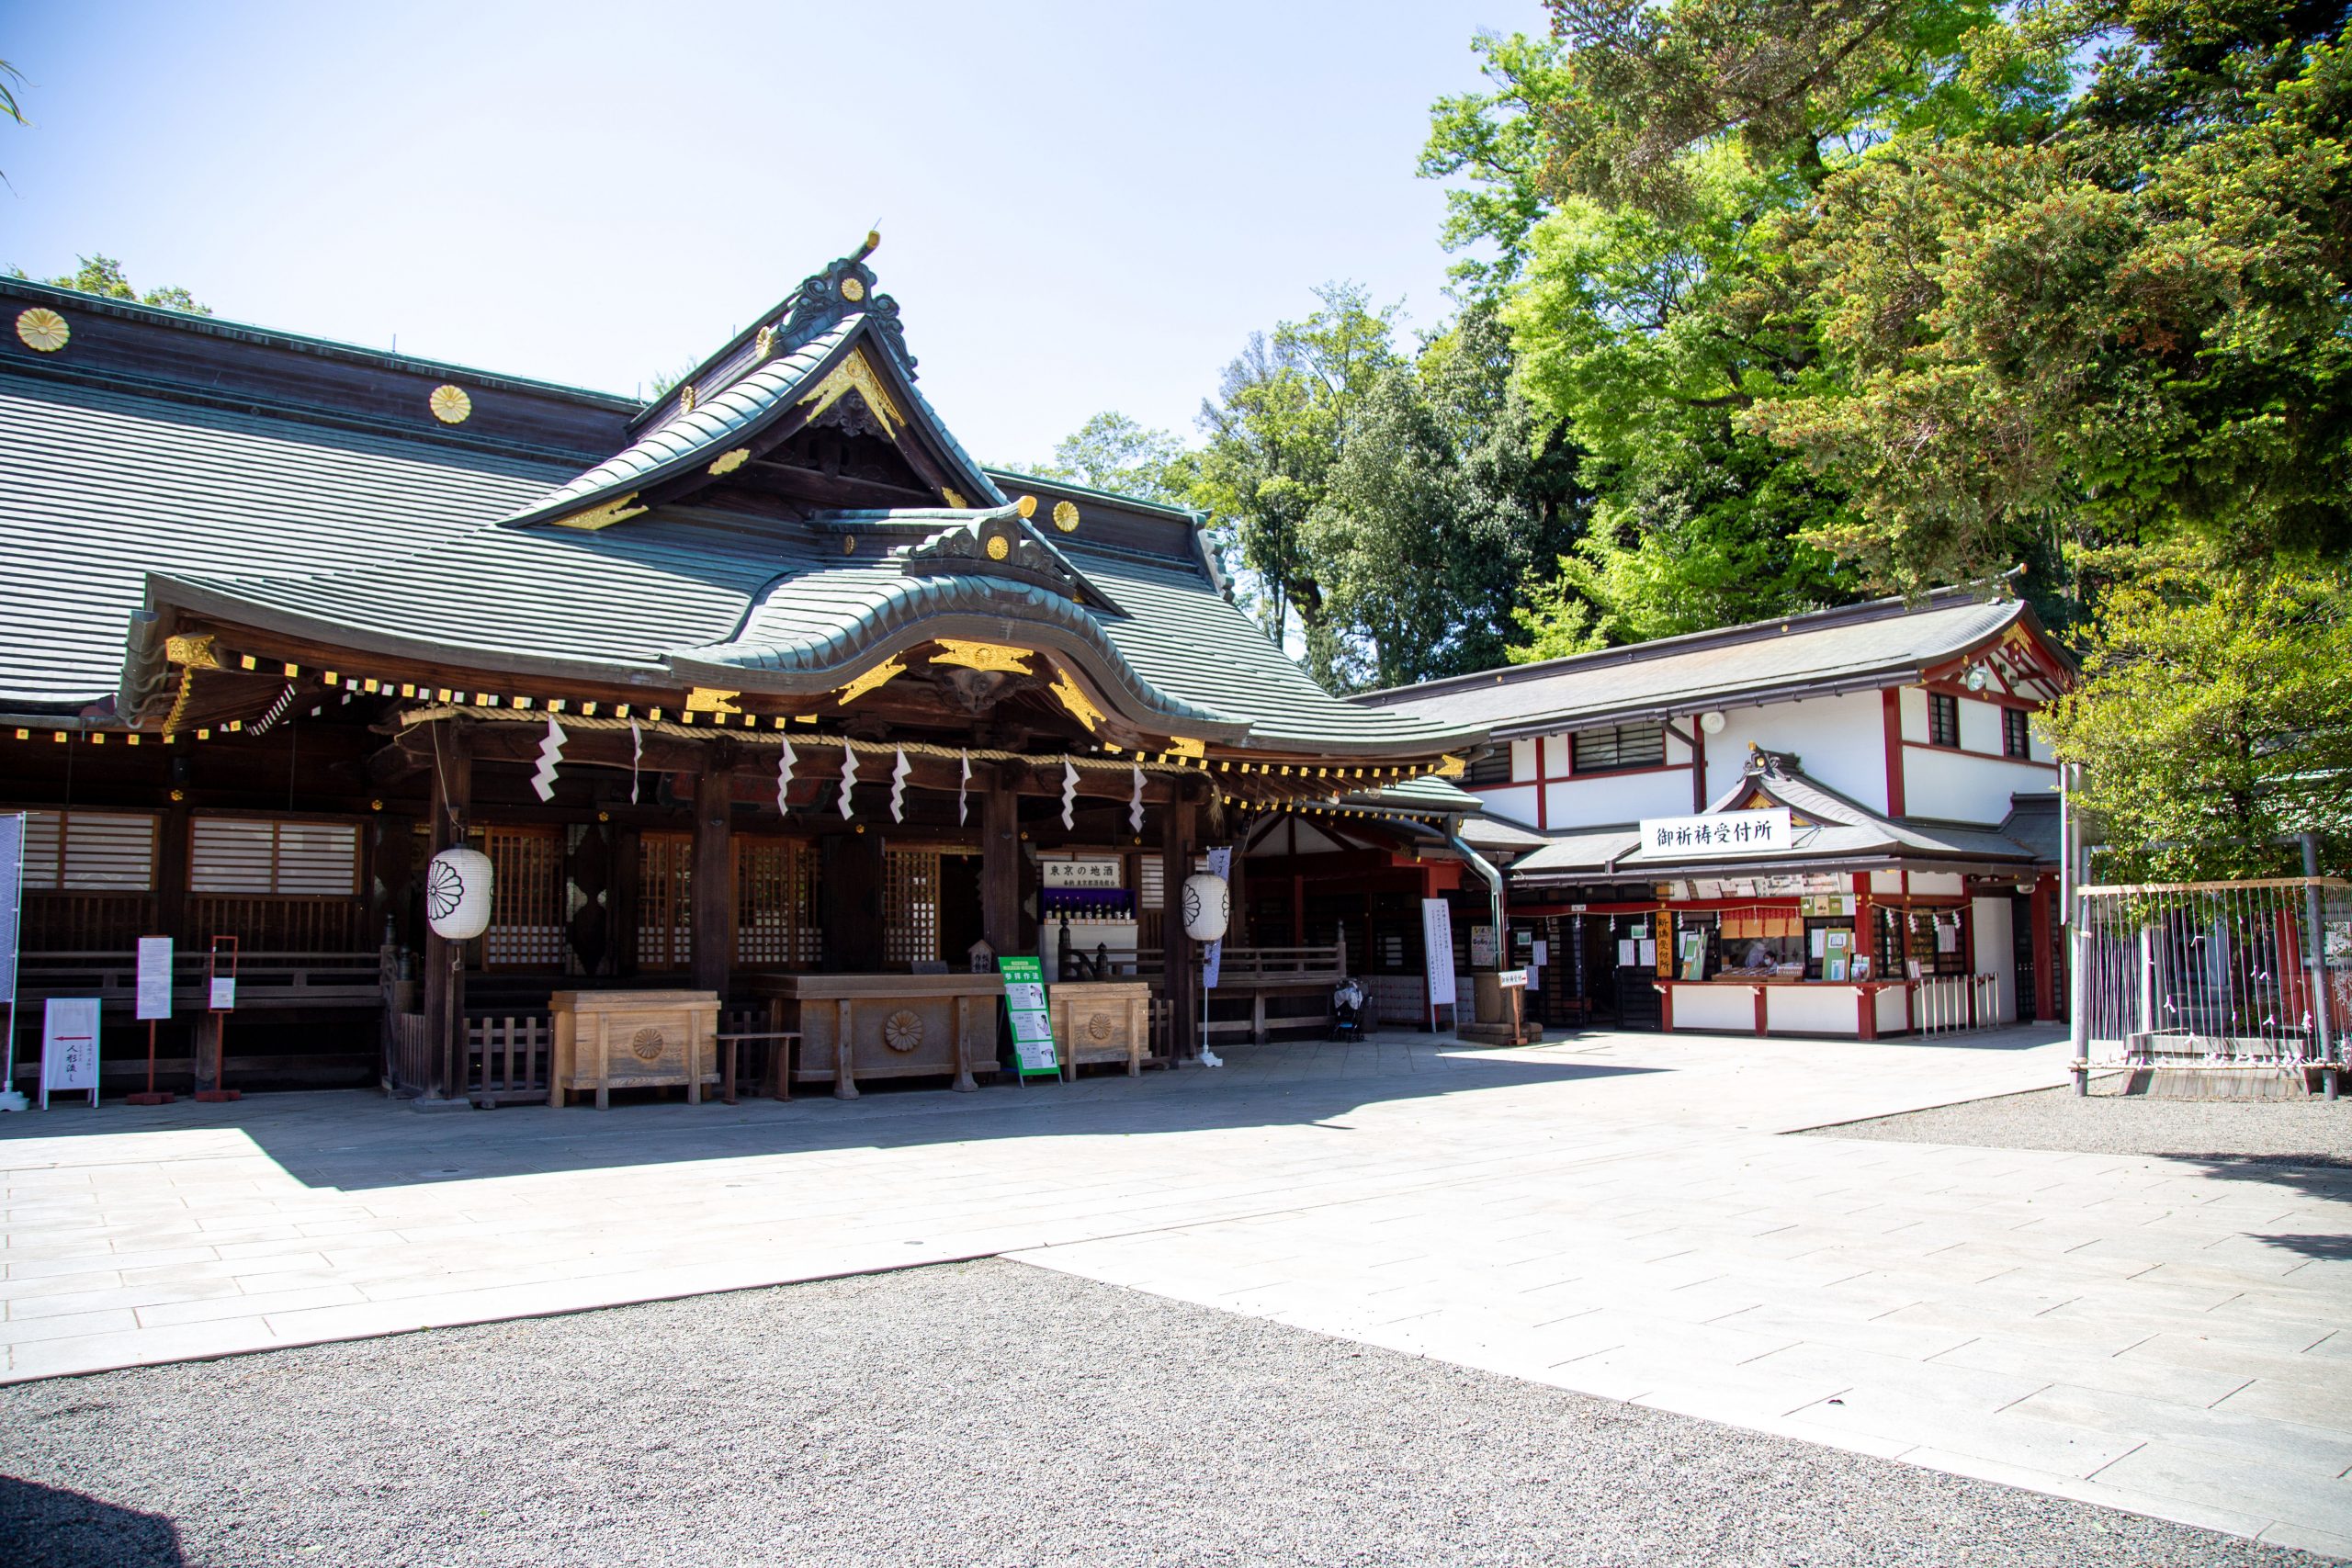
(2046, 951)
(1237, 934)
(713, 933)
(1176, 833)
(1001, 862)
(452, 785)
(1298, 904)
(171, 878)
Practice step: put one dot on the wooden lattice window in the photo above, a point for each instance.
(665, 900)
(95, 851)
(1943, 719)
(776, 906)
(526, 898)
(909, 906)
(273, 857)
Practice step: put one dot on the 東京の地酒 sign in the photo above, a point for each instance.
(1716, 833)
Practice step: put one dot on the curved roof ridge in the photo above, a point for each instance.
(686, 438)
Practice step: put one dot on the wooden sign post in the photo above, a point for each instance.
(1033, 1021)
(220, 1000)
(154, 1006)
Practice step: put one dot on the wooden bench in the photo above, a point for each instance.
(779, 1074)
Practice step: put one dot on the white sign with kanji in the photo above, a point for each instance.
(1715, 834)
(69, 1047)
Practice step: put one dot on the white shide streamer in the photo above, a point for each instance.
(784, 766)
(635, 756)
(551, 753)
(1070, 796)
(898, 787)
(963, 791)
(1134, 804)
(849, 778)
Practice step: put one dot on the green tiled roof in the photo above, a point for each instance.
(98, 488)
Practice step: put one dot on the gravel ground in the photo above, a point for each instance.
(2274, 1131)
(986, 1413)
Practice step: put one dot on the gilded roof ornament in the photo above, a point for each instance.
(981, 656)
(1076, 701)
(855, 374)
(1064, 517)
(614, 511)
(42, 330)
(686, 397)
(765, 345)
(707, 699)
(889, 669)
(728, 462)
(450, 405)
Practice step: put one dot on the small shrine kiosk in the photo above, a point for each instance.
(766, 690)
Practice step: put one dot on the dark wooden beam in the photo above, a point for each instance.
(714, 914)
(795, 483)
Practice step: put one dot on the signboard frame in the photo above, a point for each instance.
(1029, 1016)
(58, 1074)
(1437, 958)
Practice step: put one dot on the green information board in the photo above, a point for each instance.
(1032, 1025)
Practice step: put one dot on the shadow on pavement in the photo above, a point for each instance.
(355, 1140)
(48, 1526)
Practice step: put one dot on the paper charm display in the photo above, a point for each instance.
(551, 753)
(849, 777)
(1069, 796)
(784, 766)
(898, 787)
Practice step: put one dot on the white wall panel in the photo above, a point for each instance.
(1997, 952)
(1731, 1008)
(1556, 754)
(1962, 788)
(1515, 802)
(1605, 800)
(1522, 760)
(1842, 741)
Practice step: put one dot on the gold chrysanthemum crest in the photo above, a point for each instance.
(1066, 516)
(42, 330)
(450, 405)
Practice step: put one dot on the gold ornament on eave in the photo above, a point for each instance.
(1066, 516)
(42, 330)
(852, 290)
(999, 546)
(450, 405)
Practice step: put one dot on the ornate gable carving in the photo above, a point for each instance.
(999, 544)
(842, 289)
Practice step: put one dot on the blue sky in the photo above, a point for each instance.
(1082, 207)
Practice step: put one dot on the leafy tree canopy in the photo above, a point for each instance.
(1112, 452)
(103, 275)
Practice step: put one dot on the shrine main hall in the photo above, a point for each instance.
(764, 704)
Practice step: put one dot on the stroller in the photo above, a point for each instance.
(1348, 1010)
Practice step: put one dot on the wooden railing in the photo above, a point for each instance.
(507, 1058)
(288, 925)
(263, 979)
(67, 923)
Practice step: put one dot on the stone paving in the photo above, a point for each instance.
(1614, 1214)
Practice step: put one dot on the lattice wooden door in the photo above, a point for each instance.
(664, 901)
(526, 899)
(909, 906)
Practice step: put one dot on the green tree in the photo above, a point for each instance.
(1444, 497)
(2215, 715)
(1112, 452)
(1279, 424)
(103, 275)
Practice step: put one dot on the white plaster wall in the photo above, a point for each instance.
(1811, 1009)
(1996, 952)
(1715, 1006)
(1963, 788)
(1839, 741)
(1935, 883)
(1676, 749)
(1522, 760)
(1894, 1005)
(1514, 803)
(1886, 882)
(1915, 714)
(1980, 725)
(1556, 754)
(1607, 799)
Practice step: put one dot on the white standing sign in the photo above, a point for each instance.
(1437, 950)
(224, 993)
(154, 978)
(69, 1047)
(1716, 833)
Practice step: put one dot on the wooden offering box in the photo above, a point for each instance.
(889, 1026)
(609, 1040)
(1100, 1021)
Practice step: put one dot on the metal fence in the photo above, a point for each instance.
(2255, 973)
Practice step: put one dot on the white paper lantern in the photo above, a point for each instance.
(1208, 908)
(457, 894)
